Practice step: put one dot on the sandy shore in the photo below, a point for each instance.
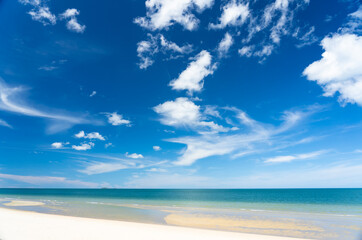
(23, 204)
(20, 225)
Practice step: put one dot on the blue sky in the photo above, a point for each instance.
(180, 94)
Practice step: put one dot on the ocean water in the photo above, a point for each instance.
(315, 213)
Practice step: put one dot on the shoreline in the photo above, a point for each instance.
(19, 225)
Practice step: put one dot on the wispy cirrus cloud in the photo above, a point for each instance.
(102, 163)
(49, 181)
(5, 124)
(12, 100)
(289, 158)
(246, 138)
(155, 44)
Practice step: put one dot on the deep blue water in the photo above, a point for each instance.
(293, 196)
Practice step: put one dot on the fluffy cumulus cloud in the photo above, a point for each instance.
(83, 146)
(70, 15)
(117, 119)
(192, 78)
(92, 135)
(134, 155)
(156, 148)
(162, 14)
(225, 44)
(289, 158)
(184, 113)
(147, 49)
(43, 15)
(340, 68)
(59, 145)
(234, 13)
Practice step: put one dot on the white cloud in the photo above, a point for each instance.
(30, 2)
(275, 21)
(59, 145)
(93, 94)
(43, 15)
(225, 44)
(100, 167)
(49, 181)
(262, 53)
(11, 100)
(156, 148)
(117, 119)
(134, 155)
(265, 51)
(47, 68)
(192, 78)
(81, 134)
(340, 68)
(306, 39)
(164, 13)
(92, 135)
(116, 163)
(83, 146)
(358, 13)
(167, 45)
(5, 124)
(250, 137)
(156, 170)
(184, 113)
(69, 13)
(289, 158)
(107, 145)
(145, 50)
(234, 13)
(72, 22)
(354, 24)
(212, 111)
(246, 51)
(155, 44)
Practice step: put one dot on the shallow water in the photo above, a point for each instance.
(312, 213)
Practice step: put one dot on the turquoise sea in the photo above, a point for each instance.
(317, 213)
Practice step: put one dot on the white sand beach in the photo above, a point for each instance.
(21, 225)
